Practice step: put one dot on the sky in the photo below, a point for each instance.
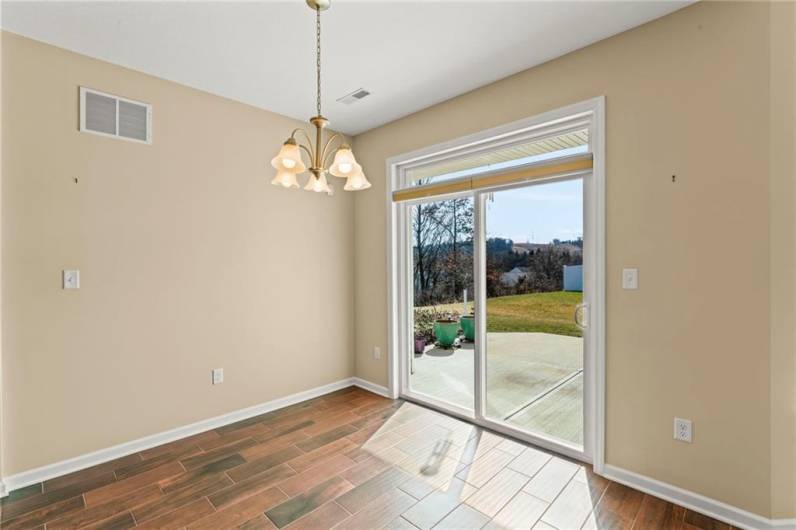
(537, 214)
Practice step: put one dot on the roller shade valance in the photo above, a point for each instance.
(546, 169)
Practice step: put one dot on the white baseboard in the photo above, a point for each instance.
(57, 469)
(372, 387)
(695, 501)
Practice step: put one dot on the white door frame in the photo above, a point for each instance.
(399, 270)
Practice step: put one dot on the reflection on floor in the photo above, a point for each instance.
(346, 460)
(534, 381)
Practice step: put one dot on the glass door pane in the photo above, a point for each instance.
(442, 364)
(534, 283)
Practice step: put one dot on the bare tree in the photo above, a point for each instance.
(456, 218)
(427, 241)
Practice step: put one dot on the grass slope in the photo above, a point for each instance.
(533, 312)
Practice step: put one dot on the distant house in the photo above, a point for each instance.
(514, 276)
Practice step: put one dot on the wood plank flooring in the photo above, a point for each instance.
(349, 459)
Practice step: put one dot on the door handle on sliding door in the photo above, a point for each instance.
(582, 316)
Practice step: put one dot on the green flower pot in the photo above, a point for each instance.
(468, 326)
(446, 331)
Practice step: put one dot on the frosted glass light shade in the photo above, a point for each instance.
(344, 163)
(357, 181)
(318, 184)
(286, 179)
(289, 159)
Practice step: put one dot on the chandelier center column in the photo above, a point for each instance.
(320, 124)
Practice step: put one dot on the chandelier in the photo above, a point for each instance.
(289, 164)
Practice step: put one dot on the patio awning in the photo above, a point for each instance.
(560, 141)
(557, 167)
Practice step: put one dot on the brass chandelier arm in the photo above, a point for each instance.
(306, 136)
(307, 150)
(326, 147)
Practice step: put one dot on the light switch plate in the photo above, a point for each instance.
(629, 278)
(218, 376)
(71, 279)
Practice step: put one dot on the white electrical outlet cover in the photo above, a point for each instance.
(377, 353)
(683, 430)
(218, 376)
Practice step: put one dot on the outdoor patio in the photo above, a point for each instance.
(534, 380)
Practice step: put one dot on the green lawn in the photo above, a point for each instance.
(534, 312)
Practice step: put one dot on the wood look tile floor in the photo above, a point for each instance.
(349, 459)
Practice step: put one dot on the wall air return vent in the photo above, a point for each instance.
(115, 116)
(354, 96)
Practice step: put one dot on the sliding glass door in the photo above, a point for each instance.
(497, 275)
(532, 274)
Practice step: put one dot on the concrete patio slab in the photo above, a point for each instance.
(534, 380)
(558, 414)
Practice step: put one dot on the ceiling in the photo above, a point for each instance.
(409, 55)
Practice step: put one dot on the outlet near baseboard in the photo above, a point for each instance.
(683, 430)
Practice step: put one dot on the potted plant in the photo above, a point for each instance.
(424, 325)
(446, 329)
(420, 343)
(467, 323)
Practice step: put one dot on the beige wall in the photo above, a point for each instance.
(783, 259)
(2, 486)
(189, 260)
(687, 94)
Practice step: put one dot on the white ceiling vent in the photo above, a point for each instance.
(354, 96)
(115, 116)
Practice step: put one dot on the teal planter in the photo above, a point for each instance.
(468, 326)
(446, 331)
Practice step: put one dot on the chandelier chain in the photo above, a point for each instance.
(318, 55)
